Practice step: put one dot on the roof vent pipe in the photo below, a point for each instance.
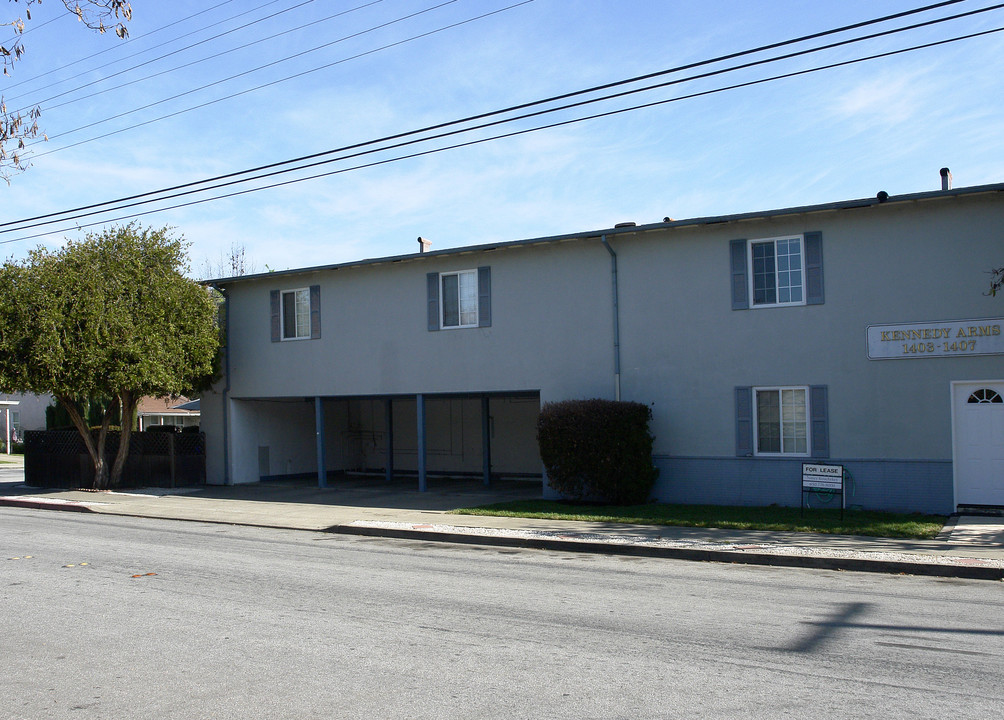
(946, 179)
(423, 244)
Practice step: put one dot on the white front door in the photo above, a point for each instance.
(978, 429)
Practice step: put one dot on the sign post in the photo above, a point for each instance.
(823, 479)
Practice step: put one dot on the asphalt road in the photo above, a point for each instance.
(108, 617)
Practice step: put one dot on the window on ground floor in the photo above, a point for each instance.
(781, 422)
(984, 396)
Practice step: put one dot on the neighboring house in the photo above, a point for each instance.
(855, 333)
(26, 412)
(29, 411)
(178, 411)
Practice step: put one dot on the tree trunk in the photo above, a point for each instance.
(96, 451)
(128, 404)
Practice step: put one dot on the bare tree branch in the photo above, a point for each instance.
(996, 281)
(16, 127)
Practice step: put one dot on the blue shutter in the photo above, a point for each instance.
(273, 297)
(315, 312)
(740, 293)
(484, 297)
(432, 284)
(813, 268)
(744, 421)
(819, 416)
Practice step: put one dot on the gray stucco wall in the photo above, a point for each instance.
(549, 327)
(683, 348)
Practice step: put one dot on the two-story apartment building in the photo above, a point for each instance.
(856, 333)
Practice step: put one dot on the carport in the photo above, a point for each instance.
(470, 435)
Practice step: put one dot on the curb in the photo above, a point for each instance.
(816, 562)
(46, 504)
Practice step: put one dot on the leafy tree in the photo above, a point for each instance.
(16, 127)
(112, 316)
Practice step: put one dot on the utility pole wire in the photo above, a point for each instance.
(479, 141)
(139, 52)
(180, 50)
(263, 67)
(223, 98)
(493, 113)
(388, 46)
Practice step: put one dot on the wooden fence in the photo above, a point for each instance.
(59, 459)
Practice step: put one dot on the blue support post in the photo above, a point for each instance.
(322, 468)
(390, 439)
(486, 442)
(420, 419)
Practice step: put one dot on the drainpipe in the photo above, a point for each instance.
(227, 479)
(617, 327)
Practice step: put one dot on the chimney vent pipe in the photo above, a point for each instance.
(423, 244)
(946, 179)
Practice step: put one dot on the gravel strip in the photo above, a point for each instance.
(616, 539)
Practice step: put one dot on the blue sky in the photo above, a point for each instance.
(886, 124)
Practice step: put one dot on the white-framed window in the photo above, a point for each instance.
(295, 314)
(780, 419)
(459, 293)
(777, 271)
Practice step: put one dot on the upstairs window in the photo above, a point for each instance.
(296, 314)
(777, 271)
(460, 299)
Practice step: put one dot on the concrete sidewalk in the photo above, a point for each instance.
(969, 547)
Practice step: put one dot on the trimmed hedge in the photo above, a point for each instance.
(598, 450)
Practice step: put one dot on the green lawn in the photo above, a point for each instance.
(855, 522)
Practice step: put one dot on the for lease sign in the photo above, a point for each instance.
(822, 477)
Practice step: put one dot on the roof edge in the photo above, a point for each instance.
(634, 229)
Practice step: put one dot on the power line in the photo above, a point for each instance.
(515, 133)
(34, 27)
(262, 67)
(274, 82)
(161, 57)
(297, 75)
(465, 130)
(524, 106)
(135, 39)
(200, 60)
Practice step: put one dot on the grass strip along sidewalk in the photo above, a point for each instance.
(854, 522)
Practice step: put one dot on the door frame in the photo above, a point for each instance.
(955, 385)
